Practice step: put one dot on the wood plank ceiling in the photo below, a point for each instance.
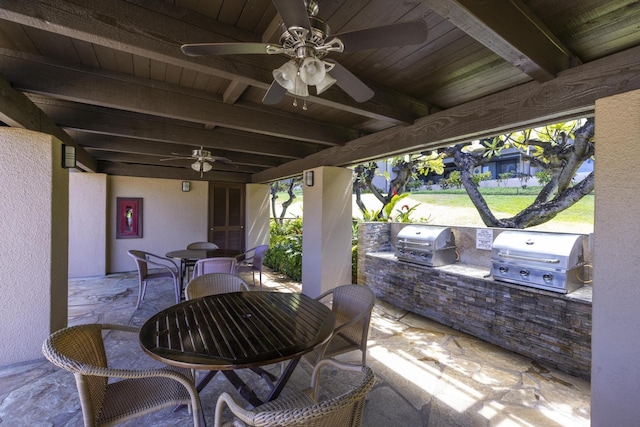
(110, 78)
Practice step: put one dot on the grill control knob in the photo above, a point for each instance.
(548, 277)
(504, 270)
(524, 273)
(412, 254)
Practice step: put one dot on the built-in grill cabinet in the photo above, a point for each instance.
(426, 245)
(541, 260)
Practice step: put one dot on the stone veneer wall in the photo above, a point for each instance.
(549, 327)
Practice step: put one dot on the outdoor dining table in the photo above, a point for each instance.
(238, 330)
(189, 256)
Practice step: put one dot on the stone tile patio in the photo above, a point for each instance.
(426, 374)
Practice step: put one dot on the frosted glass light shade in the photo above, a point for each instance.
(325, 84)
(312, 71)
(299, 88)
(201, 166)
(286, 75)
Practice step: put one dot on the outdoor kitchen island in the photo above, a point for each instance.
(552, 328)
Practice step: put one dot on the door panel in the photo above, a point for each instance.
(226, 215)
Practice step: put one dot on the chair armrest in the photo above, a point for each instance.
(244, 256)
(315, 385)
(237, 410)
(162, 262)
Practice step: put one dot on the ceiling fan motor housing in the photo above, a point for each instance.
(299, 42)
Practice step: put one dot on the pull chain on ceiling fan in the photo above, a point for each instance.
(305, 40)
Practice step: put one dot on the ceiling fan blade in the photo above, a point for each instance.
(274, 94)
(400, 34)
(348, 82)
(175, 158)
(213, 159)
(199, 49)
(293, 13)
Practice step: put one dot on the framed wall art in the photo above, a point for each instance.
(128, 218)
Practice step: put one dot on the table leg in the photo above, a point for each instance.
(282, 381)
(243, 388)
(204, 381)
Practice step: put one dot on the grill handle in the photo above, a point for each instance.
(530, 258)
(414, 243)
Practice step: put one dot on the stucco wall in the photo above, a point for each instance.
(615, 377)
(257, 215)
(33, 242)
(326, 241)
(171, 218)
(87, 224)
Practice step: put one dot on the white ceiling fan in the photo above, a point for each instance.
(203, 160)
(306, 41)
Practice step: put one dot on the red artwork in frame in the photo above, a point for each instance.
(129, 218)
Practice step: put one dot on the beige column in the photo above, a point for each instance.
(87, 224)
(326, 235)
(34, 211)
(615, 371)
(257, 215)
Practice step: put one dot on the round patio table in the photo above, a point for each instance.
(239, 330)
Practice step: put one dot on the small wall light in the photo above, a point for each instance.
(68, 156)
(308, 178)
(186, 186)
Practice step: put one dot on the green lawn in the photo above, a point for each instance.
(503, 202)
(509, 204)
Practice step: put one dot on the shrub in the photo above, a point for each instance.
(285, 251)
(543, 177)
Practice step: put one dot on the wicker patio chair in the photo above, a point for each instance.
(303, 408)
(188, 264)
(252, 260)
(168, 268)
(352, 306)
(202, 245)
(80, 349)
(214, 265)
(214, 283)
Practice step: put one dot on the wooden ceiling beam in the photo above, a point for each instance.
(233, 92)
(100, 120)
(37, 74)
(92, 142)
(150, 171)
(511, 30)
(571, 95)
(17, 110)
(155, 29)
(144, 159)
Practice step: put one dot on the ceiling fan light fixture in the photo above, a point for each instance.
(325, 84)
(201, 166)
(286, 75)
(299, 88)
(312, 71)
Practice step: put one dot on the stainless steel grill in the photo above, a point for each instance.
(426, 245)
(541, 260)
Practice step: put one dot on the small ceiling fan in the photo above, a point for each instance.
(203, 160)
(306, 41)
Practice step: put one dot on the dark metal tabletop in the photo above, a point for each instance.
(196, 254)
(237, 330)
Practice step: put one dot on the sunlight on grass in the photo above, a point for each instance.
(508, 205)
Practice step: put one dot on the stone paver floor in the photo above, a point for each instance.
(427, 374)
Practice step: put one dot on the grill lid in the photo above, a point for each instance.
(542, 250)
(425, 237)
